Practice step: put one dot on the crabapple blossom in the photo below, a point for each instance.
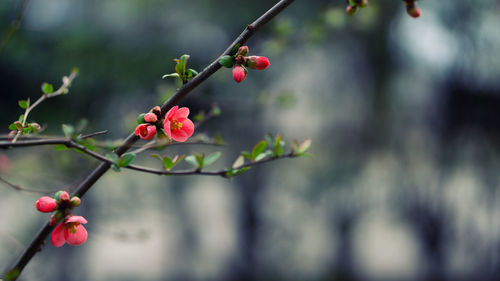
(70, 231)
(150, 118)
(145, 131)
(257, 62)
(177, 126)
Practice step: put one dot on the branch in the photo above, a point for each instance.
(19, 188)
(87, 183)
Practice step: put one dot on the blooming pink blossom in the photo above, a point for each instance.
(70, 231)
(46, 204)
(239, 73)
(257, 62)
(150, 117)
(145, 131)
(177, 126)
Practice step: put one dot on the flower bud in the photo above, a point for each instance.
(64, 197)
(243, 50)
(156, 110)
(239, 73)
(413, 10)
(46, 204)
(75, 201)
(256, 62)
(351, 10)
(145, 131)
(150, 118)
(227, 61)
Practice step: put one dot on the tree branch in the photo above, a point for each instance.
(87, 183)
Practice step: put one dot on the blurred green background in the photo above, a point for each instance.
(403, 114)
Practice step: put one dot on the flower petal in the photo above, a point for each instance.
(166, 127)
(77, 238)
(151, 133)
(139, 129)
(183, 112)
(171, 113)
(79, 219)
(185, 132)
(57, 237)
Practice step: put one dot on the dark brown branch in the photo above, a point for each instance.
(87, 183)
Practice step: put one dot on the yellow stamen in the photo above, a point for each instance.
(175, 125)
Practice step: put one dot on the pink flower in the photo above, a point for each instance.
(150, 117)
(256, 62)
(71, 231)
(145, 131)
(46, 204)
(177, 126)
(239, 73)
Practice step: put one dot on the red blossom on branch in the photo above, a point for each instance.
(145, 131)
(177, 126)
(70, 231)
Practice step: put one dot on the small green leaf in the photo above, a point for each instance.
(156, 156)
(191, 159)
(304, 146)
(177, 159)
(126, 159)
(26, 130)
(47, 88)
(235, 172)
(12, 275)
(260, 157)
(140, 118)
(258, 149)
(200, 158)
(216, 110)
(227, 61)
(211, 158)
(68, 130)
(13, 127)
(278, 146)
(89, 143)
(247, 155)
(115, 168)
(167, 163)
(112, 157)
(198, 117)
(23, 104)
(21, 118)
(238, 162)
(191, 73)
(175, 75)
(235, 49)
(60, 147)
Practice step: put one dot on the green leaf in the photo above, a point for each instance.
(191, 73)
(89, 143)
(115, 168)
(247, 155)
(13, 127)
(68, 130)
(238, 162)
(23, 104)
(60, 147)
(175, 75)
(260, 157)
(278, 146)
(211, 158)
(12, 275)
(235, 49)
(113, 157)
(47, 88)
(21, 118)
(156, 156)
(191, 159)
(235, 172)
(304, 146)
(227, 61)
(126, 159)
(26, 130)
(269, 139)
(216, 110)
(258, 149)
(167, 163)
(140, 118)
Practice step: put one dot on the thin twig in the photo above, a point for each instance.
(20, 188)
(93, 134)
(63, 89)
(89, 181)
(14, 26)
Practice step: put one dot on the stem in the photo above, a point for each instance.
(87, 183)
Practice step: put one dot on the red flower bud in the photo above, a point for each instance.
(156, 110)
(145, 131)
(150, 117)
(256, 62)
(46, 204)
(239, 73)
(413, 10)
(64, 196)
(243, 50)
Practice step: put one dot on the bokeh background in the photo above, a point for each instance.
(403, 115)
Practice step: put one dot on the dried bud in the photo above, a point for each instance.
(256, 62)
(75, 201)
(156, 110)
(150, 118)
(46, 204)
(239, 73)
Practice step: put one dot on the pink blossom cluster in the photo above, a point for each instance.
(240, 61)
(70, 229)
(176, 124)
